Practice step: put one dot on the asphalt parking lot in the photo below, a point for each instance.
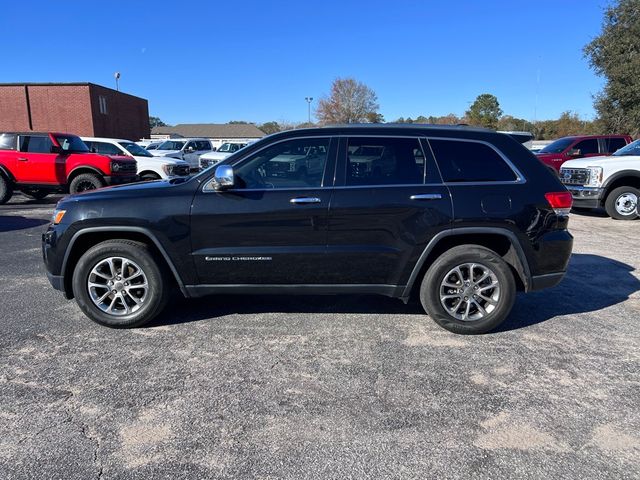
(322, 387)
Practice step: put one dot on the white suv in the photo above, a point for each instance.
(149, 167)
(612, 182)
(226, 149)
(187, 149)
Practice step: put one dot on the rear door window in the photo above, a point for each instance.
(35, 144)
(384, 161)
(463, 161)
(203, 145)
(614, 144)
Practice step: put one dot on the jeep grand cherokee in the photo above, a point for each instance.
(461, 217)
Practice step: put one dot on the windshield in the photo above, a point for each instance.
(558, 146)
(171, 145)
(135, 149)
(632, 149)
(71, 143)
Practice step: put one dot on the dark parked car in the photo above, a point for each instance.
(461, 217)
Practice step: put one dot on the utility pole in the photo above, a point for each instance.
(117, 77)
(309, 100)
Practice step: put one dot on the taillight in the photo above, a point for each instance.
(560, 202)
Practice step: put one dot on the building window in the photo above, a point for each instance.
(103, 104)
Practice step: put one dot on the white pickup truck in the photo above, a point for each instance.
(612, 182)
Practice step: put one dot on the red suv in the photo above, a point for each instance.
(569, 148)
(40, 163)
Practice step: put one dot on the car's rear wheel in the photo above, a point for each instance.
(35, 193)
(119, 283)
(6, 189)
(86, 181)
(468, 290)
(622, 203)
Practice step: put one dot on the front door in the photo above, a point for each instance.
(388, 203)
(271, 227)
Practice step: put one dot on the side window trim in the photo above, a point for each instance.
(520, 178)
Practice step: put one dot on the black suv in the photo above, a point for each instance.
(462, 217)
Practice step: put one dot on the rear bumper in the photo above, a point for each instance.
(585, 197)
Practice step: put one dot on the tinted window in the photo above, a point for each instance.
(71, 143)
(614, 144)
(470, 162)
(586, 147)
(104, 148)
(290, 164)
(7, 141)
(171, 145)
(135, 149)
(35, 144)
(558, 146)
(203, 145)
(384, 161)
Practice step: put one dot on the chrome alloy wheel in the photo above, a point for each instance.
(469, 292)
(118, 286)
(627, 204)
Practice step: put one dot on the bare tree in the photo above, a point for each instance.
(350, 101)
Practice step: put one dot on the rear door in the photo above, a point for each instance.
(388, 203)
(611, 145)
(271, 228)
(35, 164)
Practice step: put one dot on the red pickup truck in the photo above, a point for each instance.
(570, 148)
(41, 163)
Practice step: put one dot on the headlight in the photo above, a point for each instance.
(57, 216)
(168, 168)
(595, 177)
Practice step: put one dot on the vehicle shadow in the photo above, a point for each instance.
(594, 212)
(578, 293)
(11, 223)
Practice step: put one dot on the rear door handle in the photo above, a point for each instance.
(304, 200)
(23, 159)
(426, 196)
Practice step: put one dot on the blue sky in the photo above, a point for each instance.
(257, 60)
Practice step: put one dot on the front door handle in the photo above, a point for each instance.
(304, 200)
(426, 196)
(22, 159)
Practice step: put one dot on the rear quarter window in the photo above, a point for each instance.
(462, 161)
(7, 141)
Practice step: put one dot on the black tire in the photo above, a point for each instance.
(156, 279)
(36, 193)
(618, 208)
(86, 181)
(149, 176)
(6, 189)
(485, 259)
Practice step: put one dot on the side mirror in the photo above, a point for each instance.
(189, 149)
(55, 149)
(574, 152)
(223, 177)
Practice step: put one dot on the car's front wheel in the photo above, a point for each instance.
(119, 283)
(468, 290)
(622, 203)
(86, 181)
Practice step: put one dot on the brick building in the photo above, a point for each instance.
(81, 108)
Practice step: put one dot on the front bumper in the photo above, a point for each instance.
(120, 179)
(585, 197)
